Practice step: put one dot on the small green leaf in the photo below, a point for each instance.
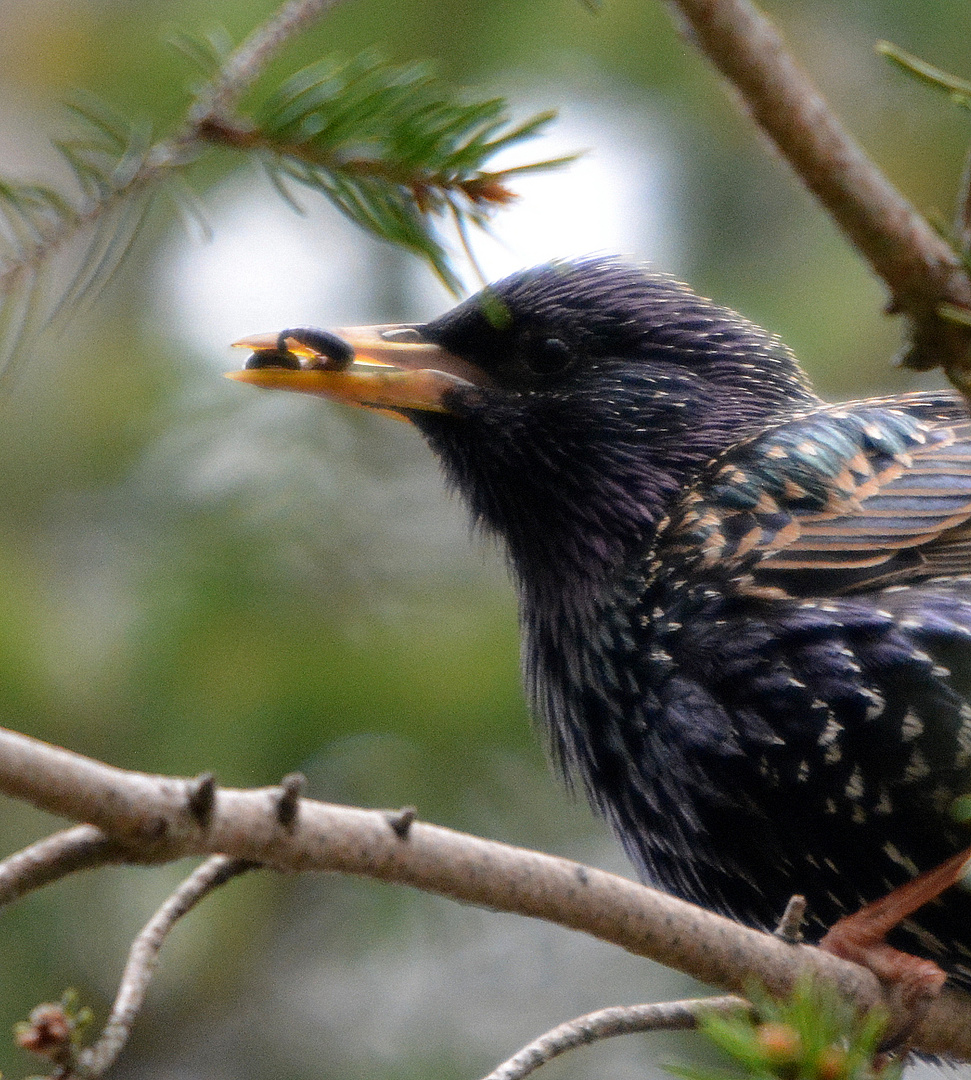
(101, 116)
(207, 52)
(495, 309)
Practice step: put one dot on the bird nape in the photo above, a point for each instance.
(747, 613)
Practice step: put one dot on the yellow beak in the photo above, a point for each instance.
(391, 369)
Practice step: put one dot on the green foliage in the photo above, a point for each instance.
(208, 52)
(106, 156)
(813, 1035)
(388, 145)
(392, 150)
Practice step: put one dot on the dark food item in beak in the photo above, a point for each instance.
(389, 368)
(272, 358)
(324, 352)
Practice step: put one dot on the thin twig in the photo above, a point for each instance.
(55, 857)
(919, 268)
(605, 1023)
(143, 959)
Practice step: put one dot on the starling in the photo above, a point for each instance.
(746, 613)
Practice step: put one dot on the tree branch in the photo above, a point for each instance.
(55, 857)
(143, 958)
(605, 1023)
(919, 268)
(154, 815)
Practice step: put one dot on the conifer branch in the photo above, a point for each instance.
(423, 164)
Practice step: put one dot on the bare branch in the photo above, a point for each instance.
(201, 797)
(152, 813)
(143, 958)
(919, 268)
(55, 857)
(605, 1023)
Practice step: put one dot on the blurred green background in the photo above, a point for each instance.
(196, 576)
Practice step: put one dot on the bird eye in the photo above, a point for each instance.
(546, 356)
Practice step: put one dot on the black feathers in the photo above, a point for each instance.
(746, 614)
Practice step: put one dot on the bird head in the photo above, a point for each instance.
(569, 404)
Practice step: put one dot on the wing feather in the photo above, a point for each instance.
(860, 494)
